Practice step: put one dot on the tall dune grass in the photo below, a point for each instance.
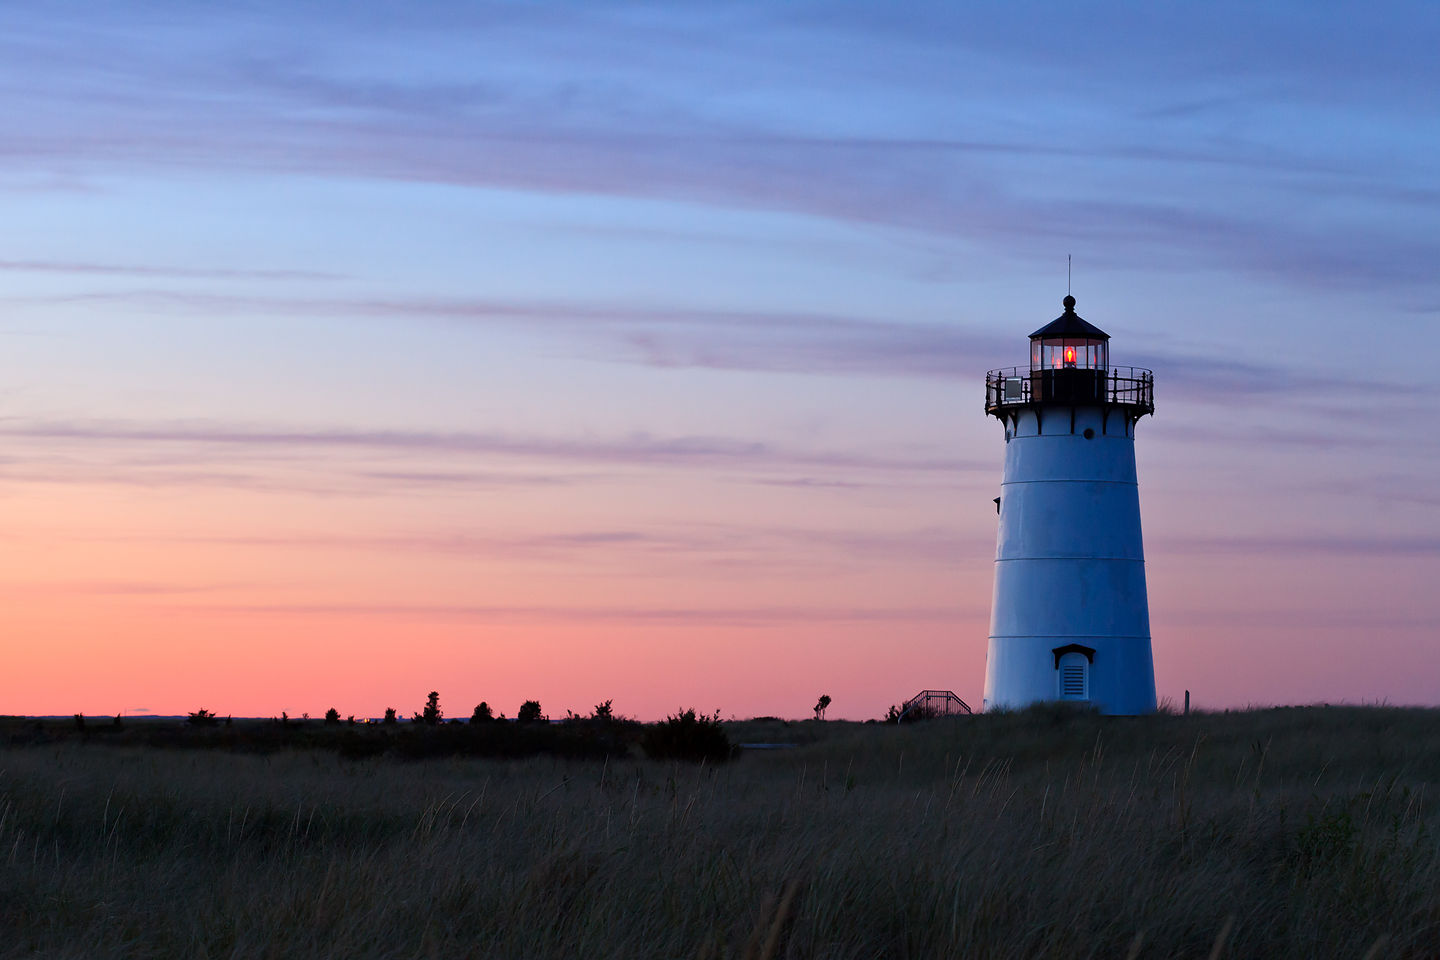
(1284, 833)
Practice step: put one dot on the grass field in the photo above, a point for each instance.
(1281, 833)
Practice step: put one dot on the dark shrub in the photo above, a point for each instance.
(390, 715)
(332, 716)
(483, 713)
(202, 718)
(688, 736)
(529, 712)
(916, 713)
(604, 711)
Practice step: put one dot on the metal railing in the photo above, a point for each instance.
(1120, 386)
(928, 704)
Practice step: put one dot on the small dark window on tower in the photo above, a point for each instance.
(1089, 434)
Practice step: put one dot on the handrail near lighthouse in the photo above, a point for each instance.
(1011, 387)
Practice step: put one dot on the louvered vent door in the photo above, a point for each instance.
(1074, 677)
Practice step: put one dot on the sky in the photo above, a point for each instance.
(635, 352)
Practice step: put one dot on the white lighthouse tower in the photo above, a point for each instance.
(1070, 620)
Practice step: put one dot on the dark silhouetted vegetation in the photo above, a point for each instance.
(820, 706)
(389, 715)
(432, 714)
(202, 718)
(332, 717)
(688, 736)
(1287, 833)
(529, 712)
(482, 714)
(604, 711)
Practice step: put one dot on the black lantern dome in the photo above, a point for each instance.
(1069, 342)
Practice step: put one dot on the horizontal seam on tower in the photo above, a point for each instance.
(1067, 636)
(1071, 557)
(1127, 483)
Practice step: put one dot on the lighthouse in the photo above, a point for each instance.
(1069, 619)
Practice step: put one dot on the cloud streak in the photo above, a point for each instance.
(739, 616)
(638, 449)
(922, 544)
(593, 120)
(74, 268)
(776, 341)
(1399, 545)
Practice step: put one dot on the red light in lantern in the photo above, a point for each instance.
(1070, 356)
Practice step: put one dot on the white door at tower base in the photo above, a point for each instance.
(1073, 677)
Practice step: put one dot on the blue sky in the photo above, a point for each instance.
(698, 298)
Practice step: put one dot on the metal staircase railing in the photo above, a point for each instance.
(935, 703)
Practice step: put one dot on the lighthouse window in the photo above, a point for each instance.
(1078, 354)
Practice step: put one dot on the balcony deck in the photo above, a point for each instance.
(1009, 388)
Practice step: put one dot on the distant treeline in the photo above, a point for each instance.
(687, 735)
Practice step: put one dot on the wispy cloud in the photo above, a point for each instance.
(1400, 545)
(639, 449)
(473, 479)
(114, 588)
(739, 616)
(167, 272)
(775, 341)
(1313, 618)
(810, 547)
(587, 116)
(194, 471)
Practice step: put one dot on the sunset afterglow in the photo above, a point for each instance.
(637, 352)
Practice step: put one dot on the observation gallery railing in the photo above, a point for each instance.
(1132, 387)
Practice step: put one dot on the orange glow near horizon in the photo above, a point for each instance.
(132, 599)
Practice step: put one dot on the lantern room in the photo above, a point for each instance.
(1069, 359)
(1069, 342)
(1070, 365)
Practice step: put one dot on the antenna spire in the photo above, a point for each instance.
(1067, 274)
